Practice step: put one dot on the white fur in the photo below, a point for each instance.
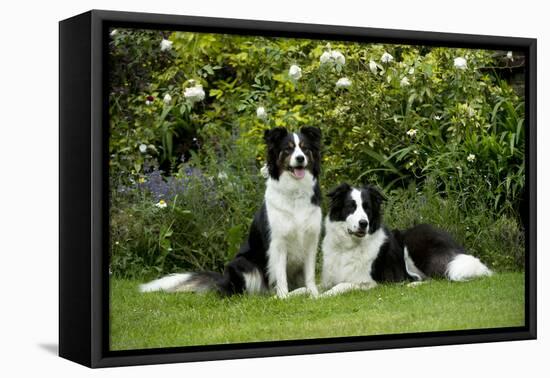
(359, 214)
(348, 259)
(348, 286)
(295, 225)
(167, 283)
(253, 282)
(464, 267)
(297, 152)
(411, 268)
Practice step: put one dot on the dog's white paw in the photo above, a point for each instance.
(281, 293)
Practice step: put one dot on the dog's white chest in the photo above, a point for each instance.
(348, 260)
(293, 219)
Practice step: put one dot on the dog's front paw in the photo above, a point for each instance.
(281, 292)
(312, 290)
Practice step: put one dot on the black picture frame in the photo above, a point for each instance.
(83, 195)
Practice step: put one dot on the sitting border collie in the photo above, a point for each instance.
(358, 251)
(282, 243)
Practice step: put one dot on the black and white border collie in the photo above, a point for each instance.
(282, 243)
(359, 252)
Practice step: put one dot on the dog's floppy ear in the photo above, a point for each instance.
(338, 193)
(312, 133)
(273, 138)
(375, 194)
(275, 135)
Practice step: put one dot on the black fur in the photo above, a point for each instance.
(430, 248)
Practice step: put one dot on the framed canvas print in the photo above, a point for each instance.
(233, 188)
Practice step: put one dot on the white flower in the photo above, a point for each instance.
(437, 117)
(165, 45)
(404, 82)
(113, 32)
(343, 82)
(261, 113)
(295, 72)
(222, 176)
(161, 204)
(460, 63)
(143, 148)
(386, 58)
(338, 58)
(412, 132)
(471, 158)
(325, 57)
(333, 57)
(373, 67)
(194, 94)
(411, 71)
(167, 98)
(510, 55)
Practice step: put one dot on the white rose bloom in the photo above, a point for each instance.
(261, 113)
(325, 57)
(343, 83)
(386, 58)
(143, 148)
(295, 72)
(167, 98)
(165, 45)
(194, 94)
(338, 58)
(404, 82)
(510, 55)
(373, 67)
(471, 158)
(460, 63)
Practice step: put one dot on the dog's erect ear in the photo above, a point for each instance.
(312, 133)
(275, 135)
(339, 192)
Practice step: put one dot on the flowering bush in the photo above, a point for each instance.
(399, 116)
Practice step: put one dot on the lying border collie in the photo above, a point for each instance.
(282, 243)
(358, 251)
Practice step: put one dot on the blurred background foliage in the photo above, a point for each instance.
(444, 138)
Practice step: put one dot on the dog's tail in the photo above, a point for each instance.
(464, 267)
(187, 282)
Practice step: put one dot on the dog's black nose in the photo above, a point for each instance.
(363, 223)
(300, 158)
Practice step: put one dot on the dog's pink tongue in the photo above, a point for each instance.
(299, 173)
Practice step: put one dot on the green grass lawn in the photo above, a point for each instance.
(154, 320)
